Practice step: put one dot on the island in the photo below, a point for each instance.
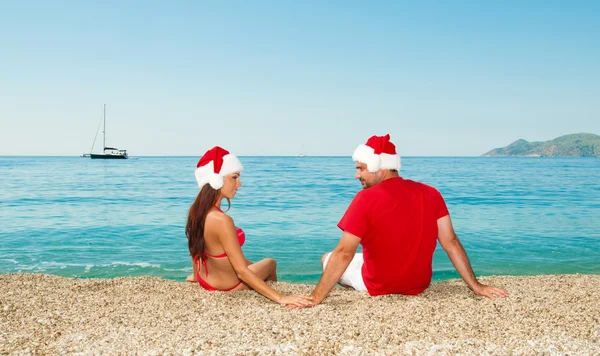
(573, 145)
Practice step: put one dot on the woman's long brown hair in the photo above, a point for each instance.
(194, 230)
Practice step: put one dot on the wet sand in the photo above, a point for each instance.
(43, 314)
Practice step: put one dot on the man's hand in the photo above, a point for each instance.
(295, 301)
(489, 291)
(313, 301)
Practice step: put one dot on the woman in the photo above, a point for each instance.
(215, 242)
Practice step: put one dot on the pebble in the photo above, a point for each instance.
(147, 315)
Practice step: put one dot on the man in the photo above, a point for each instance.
(398, 223)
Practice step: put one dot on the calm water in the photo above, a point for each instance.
(72, 216)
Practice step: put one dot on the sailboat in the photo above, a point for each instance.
(107, 152)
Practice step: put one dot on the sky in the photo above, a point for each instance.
(443, 78)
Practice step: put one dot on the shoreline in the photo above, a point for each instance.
(48, 314)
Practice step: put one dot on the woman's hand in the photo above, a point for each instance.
(298, 301)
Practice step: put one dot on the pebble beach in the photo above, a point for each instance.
(46, 314)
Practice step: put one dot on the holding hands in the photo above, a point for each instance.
(295, 301)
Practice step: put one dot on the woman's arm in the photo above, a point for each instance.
(225, 230)
(192, 277)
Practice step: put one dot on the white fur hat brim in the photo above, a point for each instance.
(365, 154)
(205, 174)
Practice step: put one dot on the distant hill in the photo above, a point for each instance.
(575, 145)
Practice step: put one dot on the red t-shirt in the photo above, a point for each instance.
(396, 221)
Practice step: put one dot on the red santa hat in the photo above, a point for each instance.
(378, 153)
(216, 164)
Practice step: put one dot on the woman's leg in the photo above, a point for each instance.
(265, 269)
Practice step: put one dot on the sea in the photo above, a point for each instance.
(84, 218)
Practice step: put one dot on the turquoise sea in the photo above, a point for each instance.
(73, 216)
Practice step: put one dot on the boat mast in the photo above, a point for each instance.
(104, 130)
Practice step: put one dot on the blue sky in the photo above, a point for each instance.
(445, 78)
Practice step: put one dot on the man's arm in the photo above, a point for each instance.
(458, 256)
(339, 260)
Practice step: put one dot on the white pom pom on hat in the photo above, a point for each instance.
(215, 164)
(378, 153)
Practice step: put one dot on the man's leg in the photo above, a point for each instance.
(324, 260)
(352, 277)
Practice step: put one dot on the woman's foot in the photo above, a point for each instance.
(191, 278)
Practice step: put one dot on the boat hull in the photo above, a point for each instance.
(103, 156)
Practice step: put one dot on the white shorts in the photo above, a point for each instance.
(352, 277)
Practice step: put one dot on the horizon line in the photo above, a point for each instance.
(295, 156)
